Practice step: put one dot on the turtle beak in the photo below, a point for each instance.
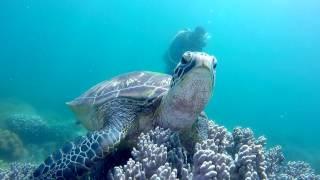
(206, 61)
(209, 63)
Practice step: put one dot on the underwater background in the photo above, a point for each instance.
(268, 74)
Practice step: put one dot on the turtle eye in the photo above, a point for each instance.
(215, 63)
(186, 57)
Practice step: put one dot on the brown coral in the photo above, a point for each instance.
(11, 147)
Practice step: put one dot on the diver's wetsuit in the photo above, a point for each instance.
(180, 44)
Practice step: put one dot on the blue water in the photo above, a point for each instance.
(269, 59)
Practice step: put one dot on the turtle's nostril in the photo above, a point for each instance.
(215, 65)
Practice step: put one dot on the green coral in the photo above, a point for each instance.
(3, 164)
(11, 147)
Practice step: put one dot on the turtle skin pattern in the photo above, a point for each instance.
(76, 158)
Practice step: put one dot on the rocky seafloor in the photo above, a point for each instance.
(159, 155)
(25, 134)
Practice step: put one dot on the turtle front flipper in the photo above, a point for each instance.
(76, 158)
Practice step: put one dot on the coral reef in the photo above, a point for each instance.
(248, 155)
(208, 163)
(11, 105)
(160, 155)
(223, 155)
(17, 171)
(297, 170)
(33, 129)
(277, 169)
(11, 147)
(28, 132)
(275, 160)
(3, 164)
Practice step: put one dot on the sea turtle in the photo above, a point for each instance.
(118, 110)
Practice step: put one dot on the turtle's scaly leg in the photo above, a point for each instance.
(76, 158)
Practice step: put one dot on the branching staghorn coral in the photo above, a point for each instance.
(17, 171)
(249, 155)
(220, 135)
(152, 155)
(211, 160)
(296, 170)
(165, 172)
(250, 162)
(149, 154)
(159, 155)
(275, 159)
(131, 170)
(223, 155)
(208, 163)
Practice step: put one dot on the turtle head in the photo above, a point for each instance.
(195, 67)
(191, 88)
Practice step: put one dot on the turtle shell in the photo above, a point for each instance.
(143, 87)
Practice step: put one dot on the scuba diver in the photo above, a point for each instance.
(185, 40)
